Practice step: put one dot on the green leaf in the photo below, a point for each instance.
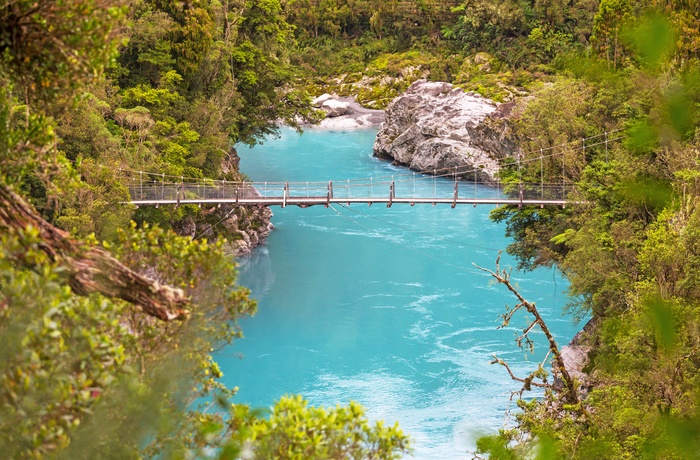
(662, 317)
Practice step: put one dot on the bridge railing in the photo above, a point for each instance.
(423, 188)
(161, 191)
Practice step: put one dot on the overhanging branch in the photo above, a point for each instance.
(91, 269)
(503, 277)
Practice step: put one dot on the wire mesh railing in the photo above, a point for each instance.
(436, 189)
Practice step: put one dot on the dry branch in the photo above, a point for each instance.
(503, 277)
(527, 381)
(91, 269)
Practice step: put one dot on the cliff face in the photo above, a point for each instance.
(247, 227)
(252, 226)
(435, 126)
(244, 227)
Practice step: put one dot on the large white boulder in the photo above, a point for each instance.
(318, 101)
(435, 126)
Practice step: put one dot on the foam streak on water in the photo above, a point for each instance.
(382, 305)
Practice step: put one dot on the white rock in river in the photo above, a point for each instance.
(434, 126)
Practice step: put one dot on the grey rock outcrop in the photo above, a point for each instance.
(575, 357)
(435, 126)
(249, 226)
(335, 108)
(318, 101)
(244, 227)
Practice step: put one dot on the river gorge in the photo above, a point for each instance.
(383, 306)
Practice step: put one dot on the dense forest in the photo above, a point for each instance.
(109, 314)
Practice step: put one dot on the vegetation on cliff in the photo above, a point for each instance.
(629, 254)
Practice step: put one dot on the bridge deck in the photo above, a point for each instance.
(324, 201)
(450, 185)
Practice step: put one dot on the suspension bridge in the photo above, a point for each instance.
(453, 186)
(380, 191)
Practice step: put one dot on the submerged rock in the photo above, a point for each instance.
(434, 126)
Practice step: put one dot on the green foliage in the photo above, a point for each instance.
(97, 206)
(296, 431)
(497, 446)
(90, 377)
(23, 138)
(51, 47)
(64, 354)
(522, 33)
(630, 253)
(60, 353)
(404, 22)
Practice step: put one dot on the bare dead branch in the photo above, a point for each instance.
(503, 277)
(91, 269)
(508, 315)
(526, 331)
(527, 382)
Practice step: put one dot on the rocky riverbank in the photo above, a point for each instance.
(436, 126)
(251, 225)
(344, 113)
(244, 227)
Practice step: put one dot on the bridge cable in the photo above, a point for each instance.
(443, 172)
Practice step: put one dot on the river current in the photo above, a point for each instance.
(383, 306)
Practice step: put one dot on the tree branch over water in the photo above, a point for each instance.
(90, 269)
(502, 276)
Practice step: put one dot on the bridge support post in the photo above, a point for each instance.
(520, 192)
(454, 200)
(284, 194)
(391, 194)
(606, 146)
(330, 193)
(541, 176)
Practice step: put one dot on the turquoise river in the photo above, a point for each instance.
(383, 306)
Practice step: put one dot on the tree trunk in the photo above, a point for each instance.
(91, 269)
